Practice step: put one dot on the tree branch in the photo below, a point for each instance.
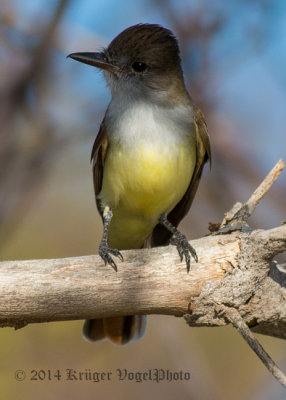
(234, 317)
(233, 269)
(149, 281)
(240, 213)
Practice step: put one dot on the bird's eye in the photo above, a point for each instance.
(139, 66)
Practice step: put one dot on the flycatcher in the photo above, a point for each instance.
(148, 155)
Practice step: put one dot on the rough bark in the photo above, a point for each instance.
(234, 269)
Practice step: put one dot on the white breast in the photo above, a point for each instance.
(131, 123)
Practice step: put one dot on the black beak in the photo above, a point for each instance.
(96, 60)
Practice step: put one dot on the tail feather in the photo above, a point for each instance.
(119, 330)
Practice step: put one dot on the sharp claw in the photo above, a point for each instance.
(188, 266)
(184, 249)
(188, 261)
(113, 265)
(193, 253)
(116, 253)
(104, 254)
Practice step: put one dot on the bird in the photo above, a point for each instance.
(147, 157)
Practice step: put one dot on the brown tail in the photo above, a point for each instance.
(119, 330)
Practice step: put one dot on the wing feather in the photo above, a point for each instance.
(98, 155)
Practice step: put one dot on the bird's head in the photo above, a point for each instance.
(142, 58)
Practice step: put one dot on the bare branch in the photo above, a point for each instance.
(263, 188)
(233, 269)
(234, 317)
(241, 212)
(149, 281)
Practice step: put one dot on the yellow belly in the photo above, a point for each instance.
(140, 185)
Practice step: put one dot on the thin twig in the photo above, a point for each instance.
(265, 185)
(240, 212)
(237, 321)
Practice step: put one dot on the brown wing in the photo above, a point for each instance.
(98, 154)
(160, 235)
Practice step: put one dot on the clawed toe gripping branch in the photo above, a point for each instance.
(179, 240)
(234, 281)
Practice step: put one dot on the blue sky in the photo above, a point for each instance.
(250, 83)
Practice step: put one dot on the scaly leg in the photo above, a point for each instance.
(104, 249)
(180, 241)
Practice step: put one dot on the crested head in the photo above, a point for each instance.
(148, 58)
(142, 61)
(149, 44)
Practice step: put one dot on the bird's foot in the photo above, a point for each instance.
(105, 251)
(184, 248)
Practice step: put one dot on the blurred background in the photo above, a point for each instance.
(234, 59)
